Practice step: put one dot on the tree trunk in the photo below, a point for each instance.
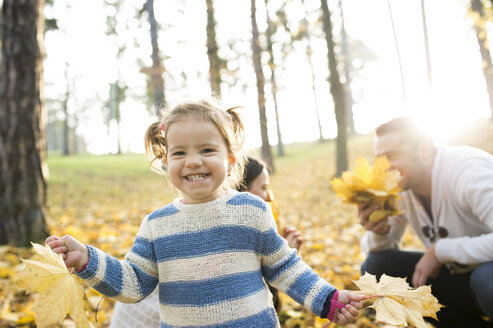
(337, 92)
(309, 53)
(312, 70)
(212, 49)
(272, 66)
(66, 126)
(257, 63)
(23, 167)
(347, 74)
(427, 48)
(119, 99)
(157, 68)
(396, 43)
(484, 50)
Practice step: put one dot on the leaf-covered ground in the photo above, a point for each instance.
(102, 199)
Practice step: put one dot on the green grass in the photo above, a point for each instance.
(129, 173)
(79, 183)
(135, 166)
(295, 152)
(88, 172)
(128, 164)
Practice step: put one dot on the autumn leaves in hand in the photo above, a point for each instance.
(374, 189)
(74, 253)
(393, 300)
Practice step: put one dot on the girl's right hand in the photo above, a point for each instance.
(293, 237)
(74, 253)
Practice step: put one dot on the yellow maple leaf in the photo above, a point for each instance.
(376, 185)
(396, 303)
(59, 291)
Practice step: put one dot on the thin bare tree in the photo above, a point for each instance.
(215, 62)
(157, 69)
(427, 48)
(346, 59)
(399, 60)
(272, 66)
(257, 64)
(309, 52)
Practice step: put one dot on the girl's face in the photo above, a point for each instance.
(198, 161)
(260, 186)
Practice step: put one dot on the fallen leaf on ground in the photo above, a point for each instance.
(375, 185)
(59, 291)
(396, 303)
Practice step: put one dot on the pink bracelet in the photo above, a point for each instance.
(83, 267)
(334, 306)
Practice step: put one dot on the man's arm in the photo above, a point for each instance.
(427, 266)
(473, 188)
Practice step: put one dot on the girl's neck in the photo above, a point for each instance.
(223, 194)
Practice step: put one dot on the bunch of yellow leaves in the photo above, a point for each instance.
(373, 185)
(396, 303)
(59, 291)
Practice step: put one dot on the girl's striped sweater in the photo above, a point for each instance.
(211, 262)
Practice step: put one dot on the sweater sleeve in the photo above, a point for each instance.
(128, 280)
(473, 188)
(284, 270)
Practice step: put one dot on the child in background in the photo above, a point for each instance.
(210, 250)
(256, 181)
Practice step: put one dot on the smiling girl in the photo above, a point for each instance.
(211, 250)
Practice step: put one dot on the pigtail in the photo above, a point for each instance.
(238, 136)
(238, 128)
(155, 146)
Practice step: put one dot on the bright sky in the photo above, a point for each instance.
(459, 91)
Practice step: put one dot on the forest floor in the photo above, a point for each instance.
(102, 200)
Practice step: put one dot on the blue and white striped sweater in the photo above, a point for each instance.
(211, 261)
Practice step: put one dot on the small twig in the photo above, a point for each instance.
(97, 309)
(371, 297)
(59, 225)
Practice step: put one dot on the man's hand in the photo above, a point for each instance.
(381, 227)
(427, 266)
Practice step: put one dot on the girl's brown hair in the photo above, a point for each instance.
(228, 123)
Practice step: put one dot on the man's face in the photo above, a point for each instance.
(402, 157)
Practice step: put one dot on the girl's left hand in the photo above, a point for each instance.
(351, 309)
